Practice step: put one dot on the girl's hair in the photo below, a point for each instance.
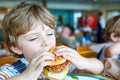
(20, 19)
(112, 26)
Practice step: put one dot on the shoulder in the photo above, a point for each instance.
(7, 70)
(6, 67)
(107, 45)
(103, 49)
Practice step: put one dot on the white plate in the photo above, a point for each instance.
(82, 77)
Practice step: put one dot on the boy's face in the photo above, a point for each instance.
(40, 38)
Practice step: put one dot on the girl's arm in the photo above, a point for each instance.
(92, 65)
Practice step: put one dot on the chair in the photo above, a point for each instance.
(57, 35)
(86, 51)
(79, 37)
(7, 60)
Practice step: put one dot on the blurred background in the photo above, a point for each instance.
(80, 16)
(68, 11)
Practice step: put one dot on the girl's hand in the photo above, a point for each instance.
(70, 54)
(36, 65)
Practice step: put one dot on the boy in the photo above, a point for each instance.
(112, 33)
(29, 33)
(110, 53)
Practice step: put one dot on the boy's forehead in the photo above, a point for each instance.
(39, 25)
(37, 28)
(36, 24)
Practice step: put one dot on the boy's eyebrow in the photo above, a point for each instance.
(34, 33)
(26, 35)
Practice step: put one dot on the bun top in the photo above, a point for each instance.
(58, 59)
(51, 50)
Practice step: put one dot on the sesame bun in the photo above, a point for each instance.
(58, 59)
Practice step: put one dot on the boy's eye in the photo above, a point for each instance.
(50, 34)
(33, 39)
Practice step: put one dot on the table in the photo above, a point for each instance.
(86, 73)
(86, 77)
(83, 77)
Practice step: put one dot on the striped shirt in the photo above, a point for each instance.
(16, 68)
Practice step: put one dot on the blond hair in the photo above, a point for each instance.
(112, 26)
(20, 19)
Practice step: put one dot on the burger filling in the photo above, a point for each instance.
(58, 68)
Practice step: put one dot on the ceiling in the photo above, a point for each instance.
(73, 1)
(71, 4)
(86, 1)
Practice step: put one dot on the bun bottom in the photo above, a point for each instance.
(56, 76)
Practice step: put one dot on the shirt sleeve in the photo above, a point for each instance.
(102, 54)
(7, 71)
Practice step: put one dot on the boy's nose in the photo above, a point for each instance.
(44, 44)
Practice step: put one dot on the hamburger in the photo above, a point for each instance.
(58, 68)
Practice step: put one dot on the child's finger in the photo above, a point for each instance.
(41, 57)
(42, 65)
(61, 51)
(59, 47)
(44, 58)
(37, 56)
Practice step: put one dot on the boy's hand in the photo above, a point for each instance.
(79, 61)
(36, 65)
(72, 55)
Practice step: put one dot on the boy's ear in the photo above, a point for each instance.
(16, 50)
(114, 37)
